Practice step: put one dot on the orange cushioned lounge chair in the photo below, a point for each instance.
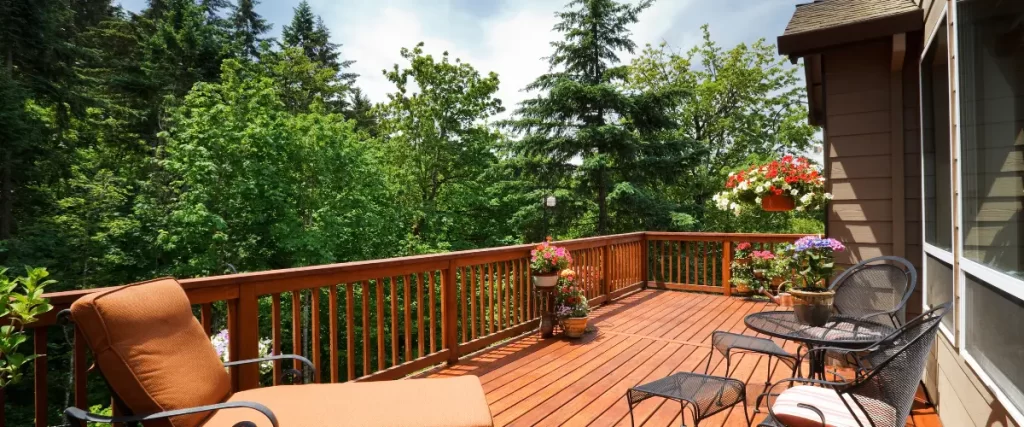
(162, 368)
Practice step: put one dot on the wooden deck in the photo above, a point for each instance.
(642, 337)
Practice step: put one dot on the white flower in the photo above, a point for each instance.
(760, 189)
(799, 208)
(806, 198)
(786, 186)
(743, 185)
(731, 174)
(794, 192)
(828, 196)
(758, 200)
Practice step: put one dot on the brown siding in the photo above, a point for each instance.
(858, 137)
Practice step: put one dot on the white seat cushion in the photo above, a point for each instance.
(826, 400)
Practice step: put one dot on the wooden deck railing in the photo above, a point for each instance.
(386, 319)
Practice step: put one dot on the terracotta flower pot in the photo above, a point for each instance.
(812, 308)
(545, 280)
(743, 261)
(760, 274)
(777, 203)
(743, 287)
(575, 326)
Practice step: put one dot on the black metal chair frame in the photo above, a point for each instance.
(871, 263)
(77, 416)
(864, 372)
(794, 360)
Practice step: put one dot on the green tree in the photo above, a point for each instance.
(308, 33)
(745, 104)
(437, 142)
(583, 131)
(257, 186)
(246, 28)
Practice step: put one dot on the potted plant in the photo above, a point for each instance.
(21, 303)
(571, 305)
(742, 277)
(781, 185)
(815, 265)
(761, 262)
(546, 260)
(743, 250)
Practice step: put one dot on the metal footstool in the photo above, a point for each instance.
(706, 395)
(725, 342)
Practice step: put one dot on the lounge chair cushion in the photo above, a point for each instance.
(431, 402)
(152, 350)
(828, 401)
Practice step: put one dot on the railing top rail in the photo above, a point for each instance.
(431, 261)
(228, 280)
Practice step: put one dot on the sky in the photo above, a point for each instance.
(509, 37)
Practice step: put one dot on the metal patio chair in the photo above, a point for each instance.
(876, 289)
(881, 395)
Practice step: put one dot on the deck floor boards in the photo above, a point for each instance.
(641, 337)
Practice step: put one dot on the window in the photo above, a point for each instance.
(996, 338)
(935, 150)
(991, 65)
(940, 286)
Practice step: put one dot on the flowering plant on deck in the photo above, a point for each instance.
(762, 260)
(570, 299)
(547, 258)
(789, 176)
(815, 261)
(743, 250)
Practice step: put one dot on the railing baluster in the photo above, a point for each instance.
(517, 293)
(462, 301)
(419, 315)
(366, 325)
(350, 334)
(407, 303)
(381, 356)
(297, 328)
(490, 298)
(332, 325)
(39, 345)
(449, 319)
(81, 368)
(314, 328)
(206, 318)
(472, 301)
(275, 333)
(394, 323)
(433, 314)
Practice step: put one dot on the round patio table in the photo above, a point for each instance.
(840, 331)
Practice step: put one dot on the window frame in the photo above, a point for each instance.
(943, 255)
(1012, 286)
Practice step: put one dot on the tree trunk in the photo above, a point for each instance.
(6, 180)
(602, 202)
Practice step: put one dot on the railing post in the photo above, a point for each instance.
(243, 337)
(39, 347)
(449, 315)
(644, 262)
(726, 266)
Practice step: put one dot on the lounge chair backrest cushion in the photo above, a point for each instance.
(152, 350)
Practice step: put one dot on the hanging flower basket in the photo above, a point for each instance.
(775, 203)
(790, 183)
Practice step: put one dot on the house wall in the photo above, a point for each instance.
(871, 133)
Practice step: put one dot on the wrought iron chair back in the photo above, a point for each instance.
(876, 289)
(894, 370)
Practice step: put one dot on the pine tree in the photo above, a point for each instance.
(247, 27)
(300, 33)
(582, 112)
(308, 33)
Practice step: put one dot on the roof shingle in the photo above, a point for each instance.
(823, 14)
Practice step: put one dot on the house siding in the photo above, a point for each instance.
(960, 398)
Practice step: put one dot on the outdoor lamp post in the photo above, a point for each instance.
(548, 203)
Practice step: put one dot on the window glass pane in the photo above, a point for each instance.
(991, 67)
(938, 218)
(995, 338)
(940, 286)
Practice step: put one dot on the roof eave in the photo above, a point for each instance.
(808, 42)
